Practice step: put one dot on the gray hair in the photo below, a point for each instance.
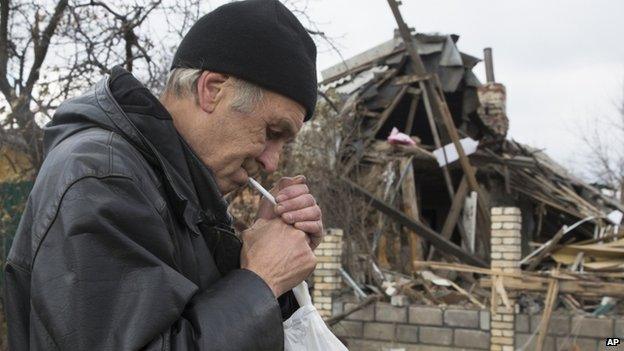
(182, 82)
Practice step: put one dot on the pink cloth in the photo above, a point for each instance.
(398, 138)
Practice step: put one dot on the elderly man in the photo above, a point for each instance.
(126, 243)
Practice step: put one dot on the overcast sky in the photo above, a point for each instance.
(561, 61)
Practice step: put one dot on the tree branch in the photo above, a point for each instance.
(5, 87)
(41, 50)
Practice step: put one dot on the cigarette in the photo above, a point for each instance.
(262, 190)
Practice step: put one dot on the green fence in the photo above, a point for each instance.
(12, 200)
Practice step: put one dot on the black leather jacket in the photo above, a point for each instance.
(125, 242)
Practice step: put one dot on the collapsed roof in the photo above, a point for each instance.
(379, 90)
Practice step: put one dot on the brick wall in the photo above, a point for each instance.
(565, 330)
(327, 279)
(505, 255)
(382, 327)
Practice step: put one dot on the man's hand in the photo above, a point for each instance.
(296, 206)
(278, 253)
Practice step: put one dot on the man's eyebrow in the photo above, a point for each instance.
(287, 128)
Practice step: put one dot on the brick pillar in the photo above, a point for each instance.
(505, 256)
(327, 279)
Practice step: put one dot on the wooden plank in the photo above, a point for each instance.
(382, 119)
(453, 216)
(455, 211)
(469, 220)
(412, 114)
(551, 296)
(500, 291)
(436, 139)
(411, 78)
(423, 231)
(547, 249)
(575, 287)
(442, 110)
(410, 207)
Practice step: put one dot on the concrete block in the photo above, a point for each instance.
(387, 313)
(399, 301)
(379, 331)
(461, 318)
(337, 306)
(522, 338)
(472, 338)
(619, 328)
(594, 327)
(365, 345)
(559, 324)
(407, 333)
(436, 336)
(567, 343)
(351, 329)
(365, 314)
(522, 323)
(425, 315)
(484, 320)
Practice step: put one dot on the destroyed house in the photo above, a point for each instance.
(380, 90)
(468, 240)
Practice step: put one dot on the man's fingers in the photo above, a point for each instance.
(291, 192)
(299, 202)
(285, 182)
(314, 228)
(303, 215)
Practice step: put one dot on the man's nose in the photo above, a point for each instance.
(269, 160)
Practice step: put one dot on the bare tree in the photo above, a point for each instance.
(603, 138)
(50, 51)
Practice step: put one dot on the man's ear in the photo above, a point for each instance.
(209, 87)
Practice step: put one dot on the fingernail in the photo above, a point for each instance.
(279, 208)
(288, 218)
(280, 198)
(301, 177)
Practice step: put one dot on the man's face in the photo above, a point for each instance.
(237, 145)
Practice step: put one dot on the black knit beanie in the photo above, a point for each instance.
(260, 41)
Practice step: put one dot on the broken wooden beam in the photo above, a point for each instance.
(546, 249)
(411, 78)
(549, 303)
(575, 287)
(411, 209)
(423, 231)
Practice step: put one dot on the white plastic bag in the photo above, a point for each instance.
(305, 330)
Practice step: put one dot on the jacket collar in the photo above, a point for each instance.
(157, 139)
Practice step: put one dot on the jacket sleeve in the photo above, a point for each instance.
(103, 279)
